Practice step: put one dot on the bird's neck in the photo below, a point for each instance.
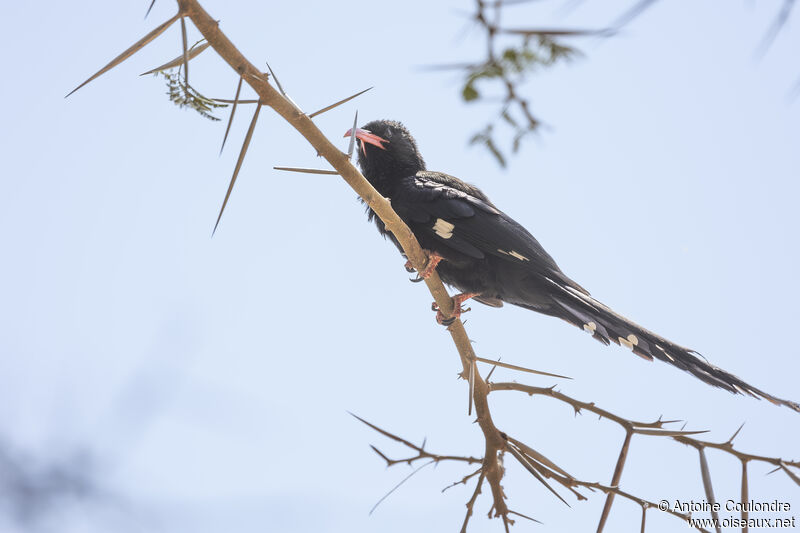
(385, 178)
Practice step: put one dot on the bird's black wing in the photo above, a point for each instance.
(460, 217)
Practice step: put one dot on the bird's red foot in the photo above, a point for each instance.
(433, 260)
(458, 299)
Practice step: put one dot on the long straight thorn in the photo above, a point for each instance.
(791, 474)
(138, 45)
(532, 469)
(340, 102)
(185, 52)
(278, 83)
(239, 161)
(471, 385)
(538, 457)
(150, 8)
(524, 516)
(226, 101)
(730, 440)
(193, 52)
(352, 137)
(551, 32)
(489, 375)
(307, 170)
(520, 368)
(233, 111)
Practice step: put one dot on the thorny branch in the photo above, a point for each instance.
(541, 467)
(655, 428)
(288, 110)
(497, 443)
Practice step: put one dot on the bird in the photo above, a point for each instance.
(486, 255)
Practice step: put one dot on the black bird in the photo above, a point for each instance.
(484, 253)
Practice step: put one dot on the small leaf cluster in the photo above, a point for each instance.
(508, 70)
(184, 95)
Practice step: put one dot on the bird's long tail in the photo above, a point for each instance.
(607, 326)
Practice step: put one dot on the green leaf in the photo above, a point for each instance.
(469, 93)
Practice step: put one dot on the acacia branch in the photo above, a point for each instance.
(538, 466)
(270, 97)
(653, 429)
(289, 111)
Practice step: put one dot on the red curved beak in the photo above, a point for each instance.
(366, 136)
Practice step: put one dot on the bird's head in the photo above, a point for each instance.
(386, 152)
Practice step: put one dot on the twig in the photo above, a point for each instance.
(623, 455)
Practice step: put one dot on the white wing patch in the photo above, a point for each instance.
(590, 327)
(512, 253)
(443, 228)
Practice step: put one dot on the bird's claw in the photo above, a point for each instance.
(433, 260)
(447, 322)
(411, 269)
(457, 312)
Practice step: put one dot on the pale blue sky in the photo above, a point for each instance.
(210, 378)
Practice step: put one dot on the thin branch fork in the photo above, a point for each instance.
(422, 453)
(538, 466)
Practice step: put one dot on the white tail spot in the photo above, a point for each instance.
(512, 253)
(630, 342)
(443, 228)
(665, 353)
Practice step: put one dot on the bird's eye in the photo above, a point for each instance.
(388, 134)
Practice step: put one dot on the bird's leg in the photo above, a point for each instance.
(458, 299)
(433, 260)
